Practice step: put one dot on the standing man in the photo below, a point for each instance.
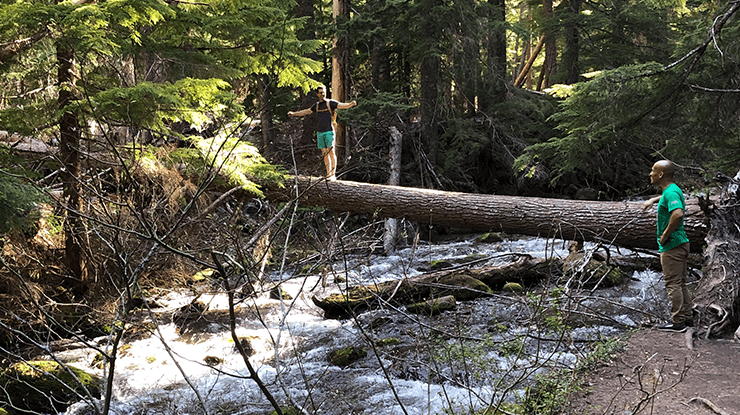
(325, 111)
(673, 244)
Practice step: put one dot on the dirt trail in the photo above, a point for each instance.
(657, 373)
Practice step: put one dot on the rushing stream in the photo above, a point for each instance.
(487, 351)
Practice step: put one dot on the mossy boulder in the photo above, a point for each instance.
(489, 238)
(434, 306)
(346, 356)
(45, 386)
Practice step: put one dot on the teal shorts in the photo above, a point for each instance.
(325, 139)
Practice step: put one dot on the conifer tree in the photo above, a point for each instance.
(141, 64)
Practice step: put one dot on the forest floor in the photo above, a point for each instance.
(657, 373)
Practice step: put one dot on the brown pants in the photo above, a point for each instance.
(674, 272)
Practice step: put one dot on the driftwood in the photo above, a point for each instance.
(618, 223)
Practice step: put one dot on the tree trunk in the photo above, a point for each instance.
(69, 133)
(268, 130)
(571, 50)
(339, 75)
(618, 223)
(525, 71)
(551, 48)
(429, 79)
(391, 224)
(495, 74)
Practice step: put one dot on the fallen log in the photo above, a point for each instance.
(617, 223)
(461, 283)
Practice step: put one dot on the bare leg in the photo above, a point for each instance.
(330, 161)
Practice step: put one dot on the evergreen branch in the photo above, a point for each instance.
(9, 50)
(702, 88)
(194, 3)
(713, 33)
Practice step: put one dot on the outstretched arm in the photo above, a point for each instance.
(650, 202)
(300, 113)
(345, 105)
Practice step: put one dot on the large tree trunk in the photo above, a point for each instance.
(571, 51)
(69, 143)
(429, 73)
(268, 129)
(618, 223)
(394, 179)
(340, 76)
(495, 73)
(551, 49)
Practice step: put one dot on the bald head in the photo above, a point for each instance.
(662, 173)
(666, 166)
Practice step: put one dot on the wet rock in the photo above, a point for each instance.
(434, 306)
(212, 360)
(45, 386)
(346, 356)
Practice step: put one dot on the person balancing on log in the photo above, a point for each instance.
(326, 115)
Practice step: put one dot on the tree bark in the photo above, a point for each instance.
(496, 68)
(523, 74)
(551, 48)
(717, 297)
(391, 224)
(339, 75)
(618, 223)
(429, 82)
(69, 133)
(463, 284)
(268, 129)
(571, 51)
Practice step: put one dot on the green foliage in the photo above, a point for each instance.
(377, 110)
(18, 199)
(150, 105)
(606, 130)
(549, 395)
(239, 161)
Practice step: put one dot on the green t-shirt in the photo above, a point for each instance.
(670, 200)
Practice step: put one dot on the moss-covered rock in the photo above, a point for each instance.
(489, 238)
(45, 386)
(434, 306)
(389, 341)
(346, 356)
(512, 286)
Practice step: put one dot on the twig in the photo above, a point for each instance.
(709, 405)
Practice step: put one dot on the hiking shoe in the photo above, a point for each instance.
(674, 327)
